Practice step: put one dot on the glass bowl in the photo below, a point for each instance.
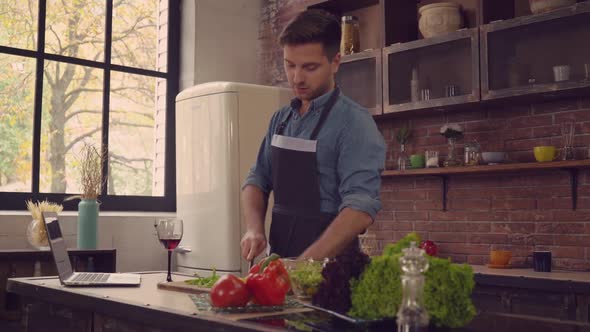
(305, 276)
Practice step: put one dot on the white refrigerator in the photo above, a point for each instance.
(219, 128)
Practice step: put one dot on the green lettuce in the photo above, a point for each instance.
(377, 293)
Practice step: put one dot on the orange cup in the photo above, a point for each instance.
(500, 257)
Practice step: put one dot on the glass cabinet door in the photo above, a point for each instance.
(544, 53)
(359, 78)
(432, 73)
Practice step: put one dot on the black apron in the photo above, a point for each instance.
(297, 221)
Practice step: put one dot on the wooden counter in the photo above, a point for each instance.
(142, 308)
(50, 306)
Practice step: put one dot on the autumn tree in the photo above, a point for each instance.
(73, 93)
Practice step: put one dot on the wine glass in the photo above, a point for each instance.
(169, 233)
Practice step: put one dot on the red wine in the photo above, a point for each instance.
(170, 244)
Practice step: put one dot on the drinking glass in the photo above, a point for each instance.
(169, 233)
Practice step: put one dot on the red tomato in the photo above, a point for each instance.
(429, 247)
(229, 291)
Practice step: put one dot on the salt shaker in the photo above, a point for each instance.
(412, 315)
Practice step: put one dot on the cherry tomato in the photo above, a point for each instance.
(229, 291)
(429, 247)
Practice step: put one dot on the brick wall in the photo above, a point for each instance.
(520, 212)
(515, 211)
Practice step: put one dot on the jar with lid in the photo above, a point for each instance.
(350, 42)
(472, 153)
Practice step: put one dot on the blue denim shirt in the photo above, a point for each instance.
(350, 154)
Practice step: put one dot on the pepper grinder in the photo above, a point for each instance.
(412, 315)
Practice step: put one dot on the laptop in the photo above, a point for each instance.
(64, 267)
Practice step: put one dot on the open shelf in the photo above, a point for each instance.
(572, 166)
(501, 168)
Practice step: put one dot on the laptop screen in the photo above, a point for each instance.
(58, 245)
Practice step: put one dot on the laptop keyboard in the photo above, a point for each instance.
(91, 277)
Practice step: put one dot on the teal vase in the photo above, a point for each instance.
(87, 223)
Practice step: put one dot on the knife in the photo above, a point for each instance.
(250, 264)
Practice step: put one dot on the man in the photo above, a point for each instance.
(322, 155)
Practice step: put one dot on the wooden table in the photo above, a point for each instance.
(147, 308)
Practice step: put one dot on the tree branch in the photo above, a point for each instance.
(73, 114)
(80, 138)
(130, 124)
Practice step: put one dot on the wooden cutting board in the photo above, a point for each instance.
(181, 286)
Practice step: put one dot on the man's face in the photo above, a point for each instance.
(308, 70)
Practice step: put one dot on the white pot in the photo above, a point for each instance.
(439, 19)
(540, 6)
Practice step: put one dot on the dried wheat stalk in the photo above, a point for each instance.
(39, 235)
(91, 172)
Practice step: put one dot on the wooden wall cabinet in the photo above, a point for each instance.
(382, 22)
(519, 56)
(359, 77)
(503, 53)
(432, 73)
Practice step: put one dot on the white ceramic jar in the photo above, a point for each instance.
(439, 19)
(541, 6)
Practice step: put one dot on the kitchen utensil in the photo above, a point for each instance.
(544, 153)
(561, 73)
(568, 129)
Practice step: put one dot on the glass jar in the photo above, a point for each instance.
(431, 159)
(37, 236)
(472, 153)
(350, 42)
(403, 161)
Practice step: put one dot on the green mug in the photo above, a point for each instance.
(417, 161)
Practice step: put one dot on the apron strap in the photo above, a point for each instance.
(281, 127)
(327, 108)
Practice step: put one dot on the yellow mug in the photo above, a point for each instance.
(545, 153)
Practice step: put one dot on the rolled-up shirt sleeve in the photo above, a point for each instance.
(361, 160)
(261, 173)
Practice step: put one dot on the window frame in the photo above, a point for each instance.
(166, 203)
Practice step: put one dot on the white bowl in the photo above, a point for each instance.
(439, 19)
(492, 157)
(541, 6)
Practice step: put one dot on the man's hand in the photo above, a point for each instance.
(253, 244)
(254, 202)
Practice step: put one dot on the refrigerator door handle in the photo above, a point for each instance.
(183, 249)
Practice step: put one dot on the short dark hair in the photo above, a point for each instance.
(314, 26)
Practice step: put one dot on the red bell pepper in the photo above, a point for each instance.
(229, 291)
(269, 282)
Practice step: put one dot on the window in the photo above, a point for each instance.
(100, 72)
